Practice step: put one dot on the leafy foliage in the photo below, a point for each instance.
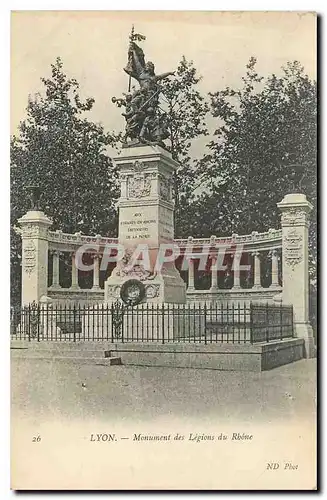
(63, 153)
(187, 110)
(264, 148)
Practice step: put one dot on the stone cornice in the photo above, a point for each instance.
(268, 240)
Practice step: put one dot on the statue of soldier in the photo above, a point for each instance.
(154, 129)
(144, 121)
(134, 113)
(143, 72)
(148, 125)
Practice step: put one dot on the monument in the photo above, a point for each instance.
(34, 227)
(146, 207)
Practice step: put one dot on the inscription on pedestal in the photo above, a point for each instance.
(166, 224)
(138, 224)
(146, 221)
(293, 248)
(29, 257)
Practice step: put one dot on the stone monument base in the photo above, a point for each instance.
(146, 221)
(166, 287)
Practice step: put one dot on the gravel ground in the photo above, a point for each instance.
(65, 389)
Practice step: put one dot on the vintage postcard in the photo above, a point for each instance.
(163, 320)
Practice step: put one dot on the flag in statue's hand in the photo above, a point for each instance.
(133, 51)
(138, 37)
(130, 68)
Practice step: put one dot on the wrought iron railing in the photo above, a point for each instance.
(198, 323)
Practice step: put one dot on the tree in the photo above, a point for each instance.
(264, 147)
(187, 110)
(64, 153)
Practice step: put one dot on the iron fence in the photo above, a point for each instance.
(270, 322)
(199, 323)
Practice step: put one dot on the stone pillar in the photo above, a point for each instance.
(248, 277)
(257, 270)
(236, 272)
(74, 285)
(190, 284)
(214, 275)
(34, 232)
(96, 272)
(274, 269)
(295, 209)
(55, 269)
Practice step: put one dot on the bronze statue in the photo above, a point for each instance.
(154, 129)
(145, 123)
(134, 115)
(34, 196)
(143, 72)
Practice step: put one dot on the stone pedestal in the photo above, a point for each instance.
(146, 222)
(34, 230)
(295, 210)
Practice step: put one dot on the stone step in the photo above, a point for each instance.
(42, 350)
(60, 345)
(27, 353)
(84, 359)
(83, 345)
(32, 352)
(115, 360)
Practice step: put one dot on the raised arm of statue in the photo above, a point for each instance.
(164, 75)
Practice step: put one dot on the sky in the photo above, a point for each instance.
(93, 48)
